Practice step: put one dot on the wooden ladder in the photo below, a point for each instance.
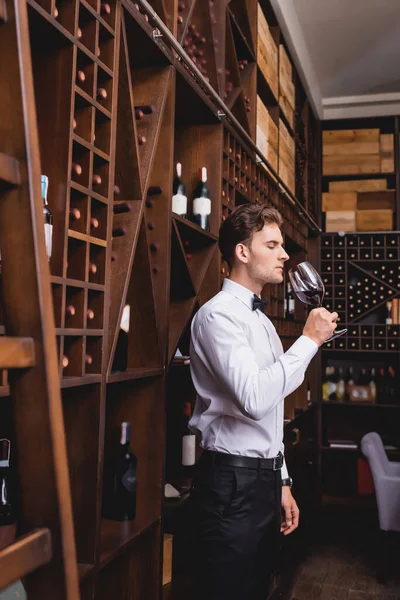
(45, 554)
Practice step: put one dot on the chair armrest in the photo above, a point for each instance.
(394, 469)
(388, 499)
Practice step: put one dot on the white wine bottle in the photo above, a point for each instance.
(179, 198)
(202, 202)
(48, 217)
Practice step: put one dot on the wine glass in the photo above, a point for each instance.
(309, 288)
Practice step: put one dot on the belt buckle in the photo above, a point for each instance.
(275, 467)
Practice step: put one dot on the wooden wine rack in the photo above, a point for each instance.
(117, 105)
(366, 262)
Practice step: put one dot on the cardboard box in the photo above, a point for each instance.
(376, 200)
(339, 201)
(340, 220)
(267, 53)
(374, 220)
(358, 185)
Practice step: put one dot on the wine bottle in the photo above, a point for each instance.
(7, 507)
(48, 217)
(179, 198)
(340, 386)
(188, 438)
(202, 202)
(120, 493)
(388, 313)
(289, 302)
(120, 362)
(372, 385)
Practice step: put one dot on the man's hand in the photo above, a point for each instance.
(320, 325)
(290, 512)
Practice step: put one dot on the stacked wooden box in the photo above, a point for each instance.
(286, 163)
(357, 151)
(267, 53)
(286, 86)
(267, 134)
(359, 205)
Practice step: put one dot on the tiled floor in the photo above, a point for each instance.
(340, 561)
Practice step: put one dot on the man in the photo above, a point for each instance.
(242, 376)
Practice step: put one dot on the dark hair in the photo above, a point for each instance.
(241, 224)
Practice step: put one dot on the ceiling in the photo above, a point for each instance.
(348, 53)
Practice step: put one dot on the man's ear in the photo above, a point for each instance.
(242, 253)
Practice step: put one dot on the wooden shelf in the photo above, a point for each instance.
(86, 192)
(195, 227)
(118, 536)
(84, 570)
(137, 373)
(16, 353)
(69, 382)
(86, 238)
(77, 283)
(90, 147)
(4, 391)
(25, 555)
(360, 404)
(78, 332)
(358, 176)
(9, 171)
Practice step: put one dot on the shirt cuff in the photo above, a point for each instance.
(305, 348)
(284, 471)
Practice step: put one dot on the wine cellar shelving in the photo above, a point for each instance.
(360, 274)
(116, 107)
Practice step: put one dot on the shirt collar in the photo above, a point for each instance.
(239, 291)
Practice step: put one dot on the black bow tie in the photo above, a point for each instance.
(259, 303)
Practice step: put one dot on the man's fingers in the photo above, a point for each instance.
(288, 515)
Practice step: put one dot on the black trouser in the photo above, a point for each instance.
(237, 514)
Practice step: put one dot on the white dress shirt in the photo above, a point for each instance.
(242, 375)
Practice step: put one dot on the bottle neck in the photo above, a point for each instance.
(4, 453)
(125, 434)
(44, 180)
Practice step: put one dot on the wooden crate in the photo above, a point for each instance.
(387, 152)
(340, 201)
(266, 126)
(340, 220)
(287, 109)
(167, 559)
(376, 200)
(351, 164)
(272, 158)
(346, 148)
(286, 86)
(267, 53)
(374, 220)
(351, 135)
(358, 185)
(286, 143)
(287, 174)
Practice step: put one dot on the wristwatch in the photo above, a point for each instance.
(288, 481)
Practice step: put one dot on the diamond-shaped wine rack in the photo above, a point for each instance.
(361, 275)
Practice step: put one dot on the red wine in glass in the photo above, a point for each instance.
(308, 286)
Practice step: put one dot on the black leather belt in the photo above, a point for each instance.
(248, 462)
